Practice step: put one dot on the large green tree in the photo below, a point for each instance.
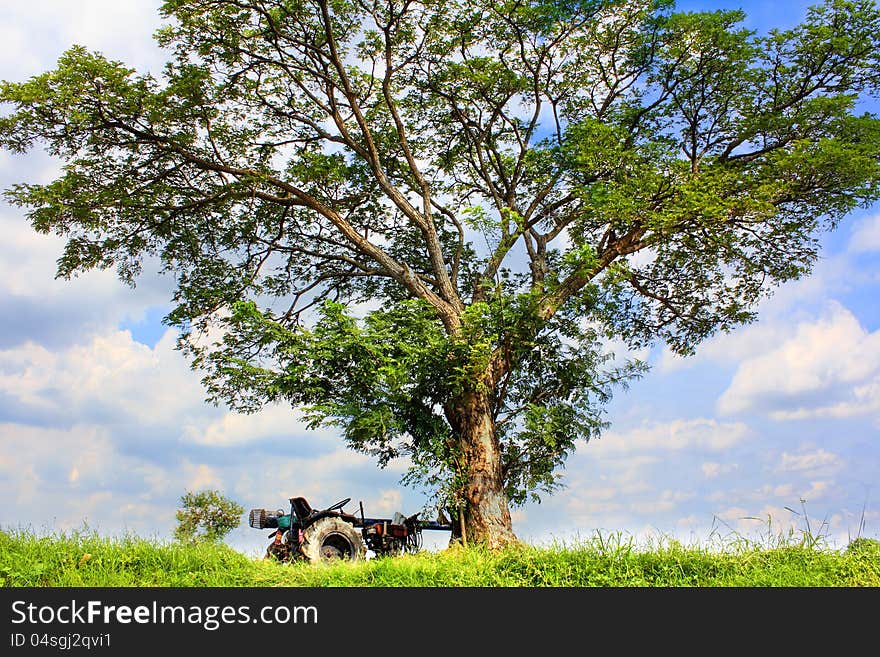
(419, 220)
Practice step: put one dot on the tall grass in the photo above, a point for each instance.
(83, 558)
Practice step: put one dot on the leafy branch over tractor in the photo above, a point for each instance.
(332, 534)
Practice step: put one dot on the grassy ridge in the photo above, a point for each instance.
(86, 559)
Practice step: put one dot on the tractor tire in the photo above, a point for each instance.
(332, 539)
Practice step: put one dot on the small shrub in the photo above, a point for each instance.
(206, 516)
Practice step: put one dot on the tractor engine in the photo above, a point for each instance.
(395, 537)
(265, 519)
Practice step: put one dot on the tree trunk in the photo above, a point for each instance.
(486, 509)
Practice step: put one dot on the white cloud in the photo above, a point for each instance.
(834, 275)
(59, 478)
(726, 349)
(664, 502)
(776, 490)
(817, 461)
(276, 421)
(389, 502)
(82, 449)
(825, 367)
(200, 476)
(622, 353)
(700, 433)
(32, 36)
(110, 374)
(817, 490)
(121, 30)
(27, 267)
(866, 236)
(712, 470)
(38, 307)
(236, 428)
(864, 400)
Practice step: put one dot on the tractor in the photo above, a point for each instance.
(331, 534)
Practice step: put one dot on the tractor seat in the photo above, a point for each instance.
(301, 507)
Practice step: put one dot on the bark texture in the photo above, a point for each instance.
(486, 509)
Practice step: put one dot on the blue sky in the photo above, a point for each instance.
(102, 422)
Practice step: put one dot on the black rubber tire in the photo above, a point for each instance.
(332, 539)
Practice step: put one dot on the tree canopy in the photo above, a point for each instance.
(420, 220)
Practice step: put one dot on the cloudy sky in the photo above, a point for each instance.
(103, 424)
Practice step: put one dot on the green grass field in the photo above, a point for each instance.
(83, 558)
